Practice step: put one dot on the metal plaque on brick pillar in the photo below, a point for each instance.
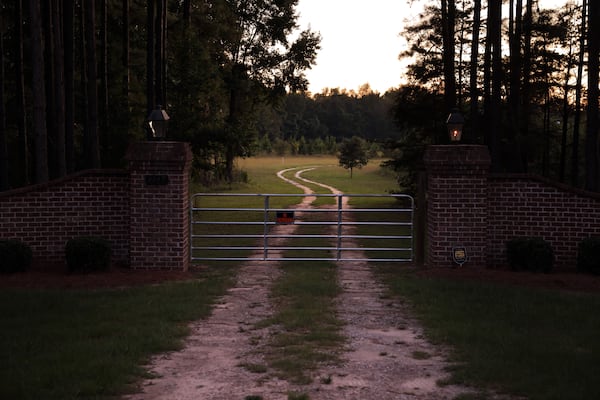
(459, 255)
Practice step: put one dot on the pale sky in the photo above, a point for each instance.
(360, 42)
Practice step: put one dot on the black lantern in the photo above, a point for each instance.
(158, 121)
(455, 123)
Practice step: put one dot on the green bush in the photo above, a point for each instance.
(588, 255)
(530, 253)
(15, 256)
(87, 254)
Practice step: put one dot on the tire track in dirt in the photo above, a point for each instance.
(210, 364)
(386, 355)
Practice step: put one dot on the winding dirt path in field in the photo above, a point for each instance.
(386, 355)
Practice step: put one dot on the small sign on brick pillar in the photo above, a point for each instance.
(457, 203)
(159, 203)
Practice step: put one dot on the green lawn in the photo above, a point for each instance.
(536, 343)
(67, 344)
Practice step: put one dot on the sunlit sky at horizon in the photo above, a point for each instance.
(361, 41)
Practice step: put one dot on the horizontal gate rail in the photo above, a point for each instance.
(245, 228)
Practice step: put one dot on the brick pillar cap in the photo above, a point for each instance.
(159, 151)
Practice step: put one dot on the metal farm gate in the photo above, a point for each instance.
(301, 227)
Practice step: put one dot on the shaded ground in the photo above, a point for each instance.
(115, 278)
(558, 280)
(122, 277)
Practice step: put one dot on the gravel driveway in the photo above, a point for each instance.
(386, 356)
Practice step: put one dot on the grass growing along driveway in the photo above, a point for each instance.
(537, 343)
(67, 344)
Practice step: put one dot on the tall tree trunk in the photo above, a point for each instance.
(460, 66)
(150, 56)
(186, 12)
(591, 134)
(69, 81)
(125, 61)
(546, 123)
(23, 151)
(526, 82)
(160, 58)
(50, 82)
(38, 87)
(565, 114)
(91, 140)
(3, 146)
(474, 87)
(578, 90)
(514, 100)
(487, 82)
(448, 22)
(103, 109)
(494, 36)
(59, 89)
(164, 54)
(515, 37)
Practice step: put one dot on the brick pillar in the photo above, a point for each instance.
(159, 202)
(457, 203)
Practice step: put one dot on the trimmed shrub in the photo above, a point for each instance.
(15, 256)
(588, 255)
(530, 253)
(516, 253)
(87, 254)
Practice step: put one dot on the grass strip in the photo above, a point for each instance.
(307, 330)
(536, 343)
(91, 344)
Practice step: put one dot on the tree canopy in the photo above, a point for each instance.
(73, 87)
(516, 73)
(353, 153)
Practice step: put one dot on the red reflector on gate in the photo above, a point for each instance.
(284, 217)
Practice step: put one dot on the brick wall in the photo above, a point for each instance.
(527, 205)
(144, 212)
(468, 206)
(46, 216)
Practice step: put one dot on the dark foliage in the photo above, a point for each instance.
(15, 256)
(87, 254)
(530, 253)
(588, 255)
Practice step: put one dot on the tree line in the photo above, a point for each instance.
(79, 77)
(315, 124)
(525, 77)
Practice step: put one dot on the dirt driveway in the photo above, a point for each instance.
(386, 356)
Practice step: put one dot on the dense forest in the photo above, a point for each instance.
(78, 78)
(525, 77)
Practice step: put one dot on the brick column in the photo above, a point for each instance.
(457, 203)
(159, 218)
